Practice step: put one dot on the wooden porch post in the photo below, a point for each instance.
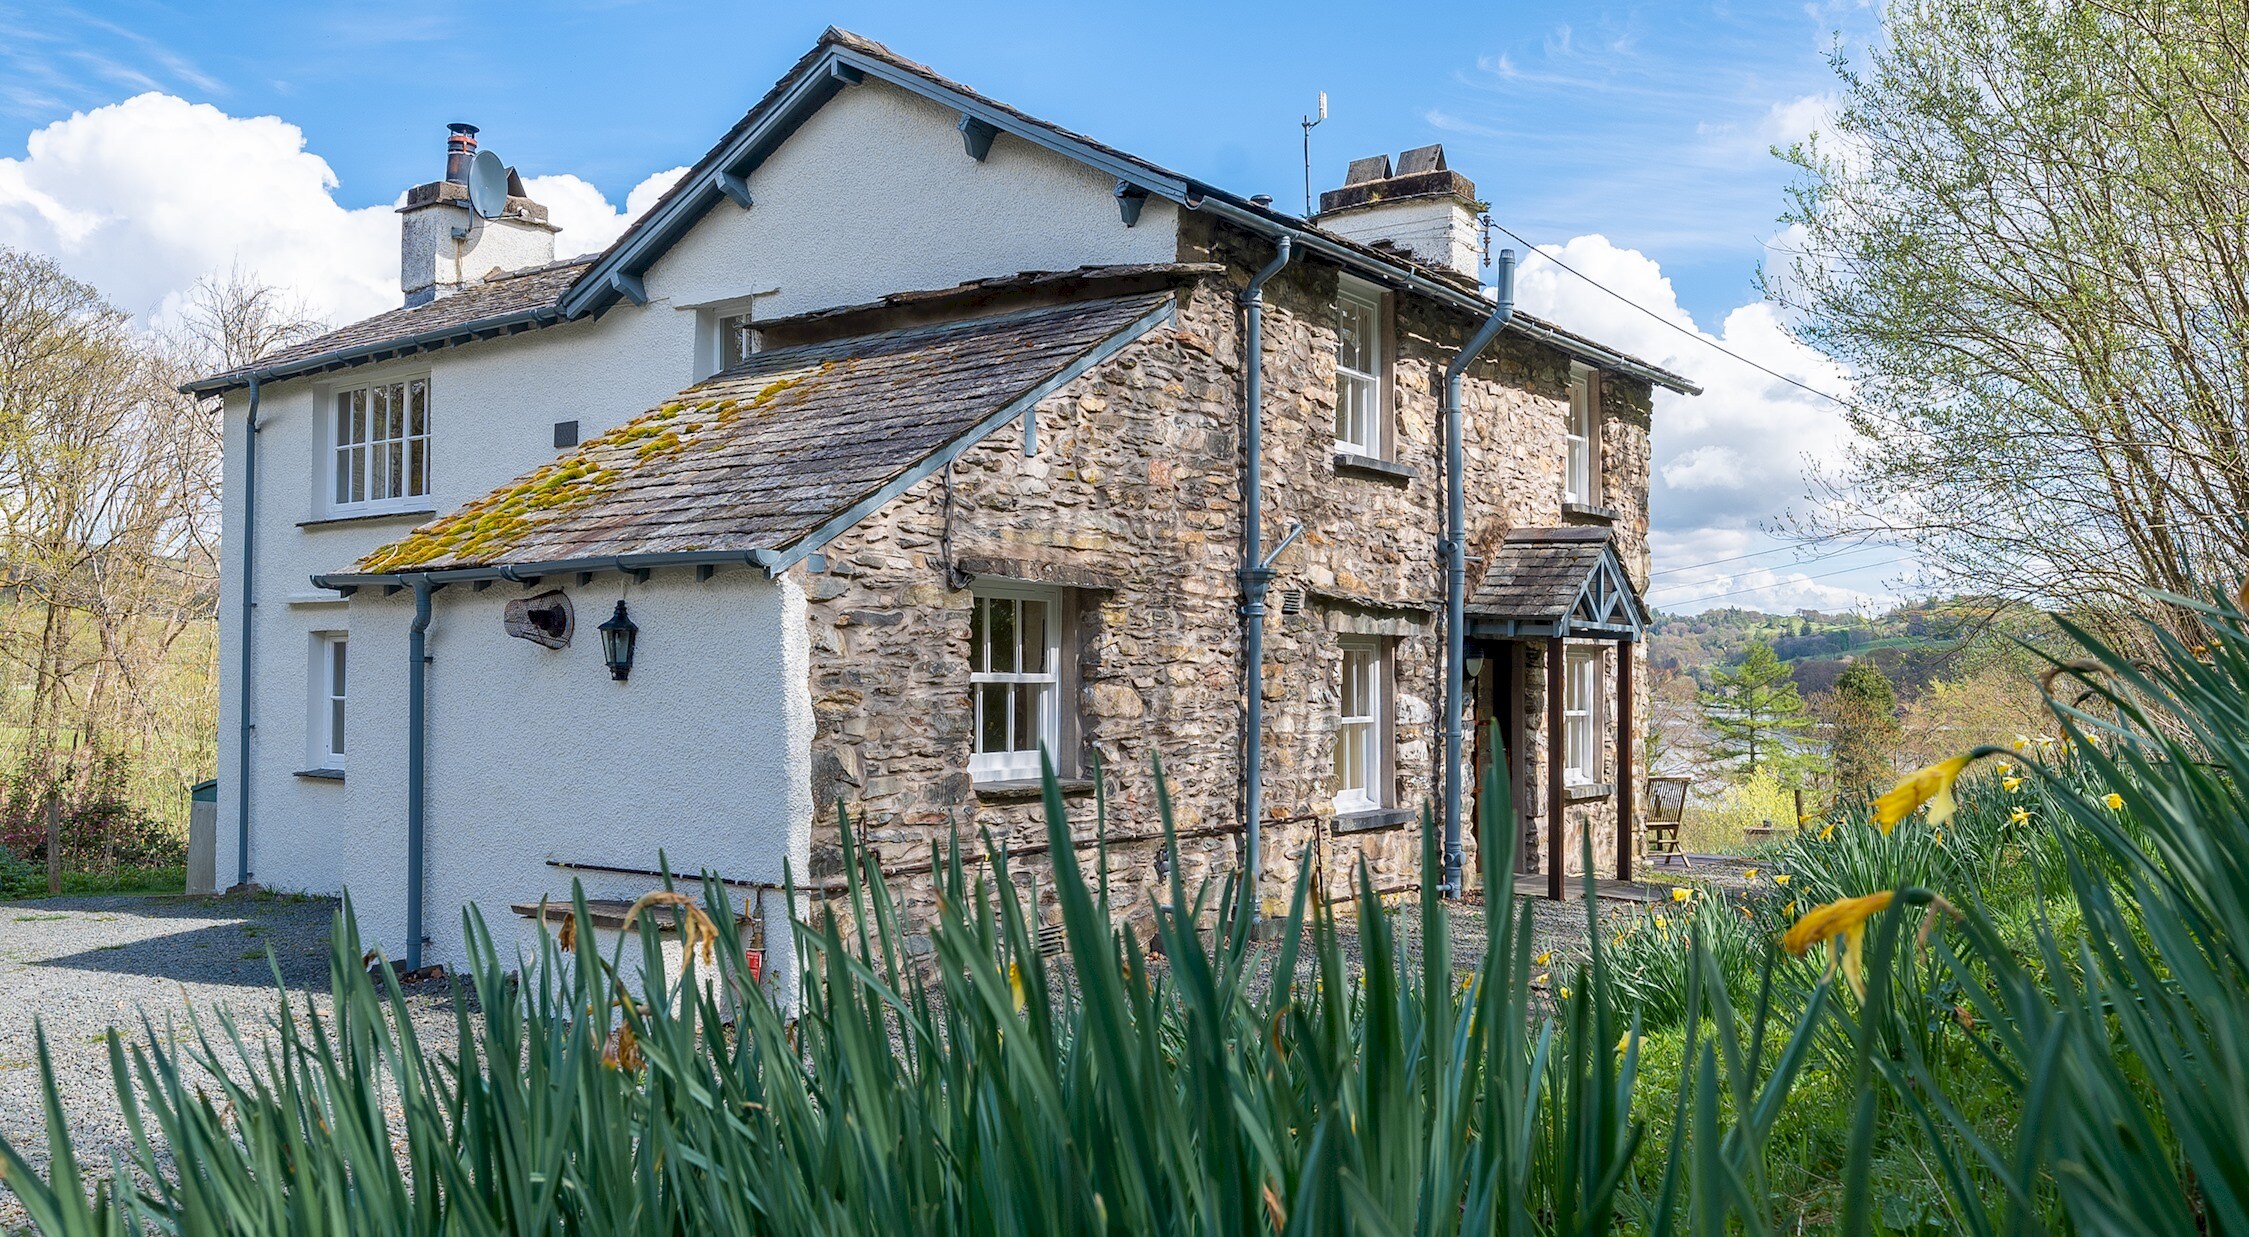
(1624, 754)
(1555, 882)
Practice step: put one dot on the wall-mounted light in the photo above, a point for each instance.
(617, 636)
(1474, 665)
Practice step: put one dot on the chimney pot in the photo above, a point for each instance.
(460, 148)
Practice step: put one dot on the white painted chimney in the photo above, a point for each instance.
(444, 246)
(1421, 209)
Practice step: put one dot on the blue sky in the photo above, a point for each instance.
(1645, 127)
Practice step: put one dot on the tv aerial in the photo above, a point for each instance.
(488, 185)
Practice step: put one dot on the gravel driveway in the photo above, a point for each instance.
(82, 965)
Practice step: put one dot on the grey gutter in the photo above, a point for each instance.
(249, 620)
(348, 582)
(1256, 573)
(593, 290)
(1456, 567)
(383, 350)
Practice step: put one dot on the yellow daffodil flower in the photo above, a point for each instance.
(2115, 802)
(2010, 783)
(1659, 921)
(1789, 909)
(2019, 816)
(1543, 958)
(1565, 994)
(1680, 893)
(1827, 834)
(1623, 1043)
(2004, 769)
(2021, 742)
(1015, 986)
(1932, 786)
(1940, 837)
(1749, 875)
(1842, 925)
(1780, 878)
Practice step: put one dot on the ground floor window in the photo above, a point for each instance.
(331, 691)
(1362, 718)
(1581, 710)
(1015, 680)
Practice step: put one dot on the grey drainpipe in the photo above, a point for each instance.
(1257, 572)
(1456, 563)
(417, 661)
(249, 615)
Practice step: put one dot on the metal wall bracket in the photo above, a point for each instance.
(732, 186)
(1130, 198)
(976, 137)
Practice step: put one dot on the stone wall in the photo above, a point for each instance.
(1133, 500)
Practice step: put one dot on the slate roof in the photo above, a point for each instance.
(1538, 575)
(514, 300)
(765, 453)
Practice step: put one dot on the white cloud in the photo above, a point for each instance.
(1728, 464)
(142, 198)
(587, 220)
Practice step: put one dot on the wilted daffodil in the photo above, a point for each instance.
(1842, 924)
(1932, 786)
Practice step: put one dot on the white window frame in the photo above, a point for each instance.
(1015, 761)
(1581, 481)
(1361, 725)
(330, 699)
(1360, 395)
(363, 438)
(737, 339)
(1581, 713)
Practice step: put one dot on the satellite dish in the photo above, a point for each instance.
(488, 185)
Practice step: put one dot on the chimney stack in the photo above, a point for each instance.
(1421, 209)
(444, 246)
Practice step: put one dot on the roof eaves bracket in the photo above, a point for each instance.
(629, 286)
(732, 186)
(847, 74)
(1130, 198)
(976, 136)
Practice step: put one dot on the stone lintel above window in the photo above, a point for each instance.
(1355, 616)
(1068, 575)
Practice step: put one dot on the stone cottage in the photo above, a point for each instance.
(907, 440)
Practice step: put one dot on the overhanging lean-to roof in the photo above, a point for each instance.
(767, 462)
(1557, 582)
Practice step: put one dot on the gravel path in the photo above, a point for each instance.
(79, 966)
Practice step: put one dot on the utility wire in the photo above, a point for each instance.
(1697, 336)
(1815, 558)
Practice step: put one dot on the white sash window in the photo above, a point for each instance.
(1015, 681)
(379, 447)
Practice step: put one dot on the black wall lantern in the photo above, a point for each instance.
(617, 636)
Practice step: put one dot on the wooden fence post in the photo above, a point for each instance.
(54, 843)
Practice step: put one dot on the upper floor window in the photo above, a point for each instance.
(738, 340)
(1581, 711)
(1359, 370)
(1362, 717)
(379, 445)
(1015, 681)
(1581, 483)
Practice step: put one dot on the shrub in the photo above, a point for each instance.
(102, 829)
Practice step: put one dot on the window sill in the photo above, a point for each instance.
(321, 775)
(368, 517)
(1585, 792)
(1352, 464)
(1373, 820)
(1588, 511)
(1031, 789)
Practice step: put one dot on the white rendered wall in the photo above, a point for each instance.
(534, 754)
(873, 195)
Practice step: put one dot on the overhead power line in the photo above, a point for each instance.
(1780, 549)
(1697, 336)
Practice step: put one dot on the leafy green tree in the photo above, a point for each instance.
(1754, 712)
(1863, 709)
(2022, 238)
